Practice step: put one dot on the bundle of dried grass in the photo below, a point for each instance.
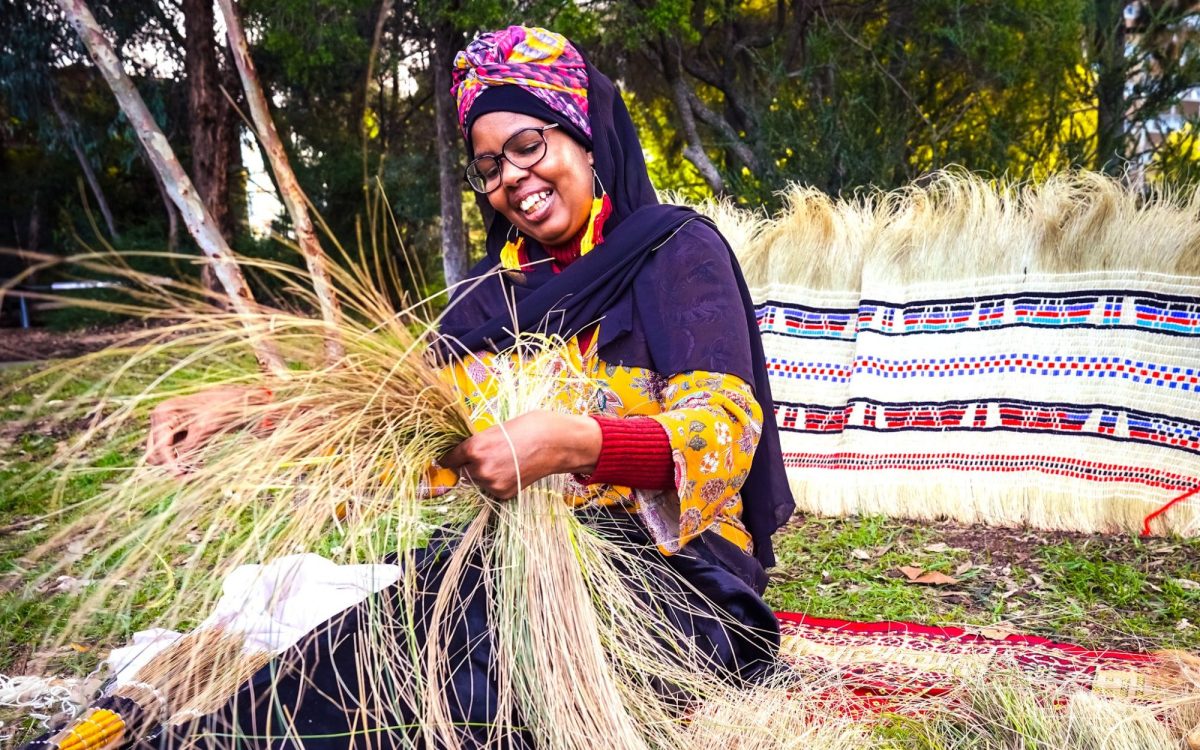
(1010, 711)
(341, 462)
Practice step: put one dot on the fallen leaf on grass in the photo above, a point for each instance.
(996, 633)
(75, 551)
(951, 594)
(1186, 584)
(66, 585)
(942, 547)
(860, 554)
(926, 577)
(1183, 624)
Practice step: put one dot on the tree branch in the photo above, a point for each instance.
(694, 150)
(89, 174)
(722, 126)
(161, 15)
(289, 187)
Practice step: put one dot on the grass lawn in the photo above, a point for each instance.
(1095, 590)
(1098, 591)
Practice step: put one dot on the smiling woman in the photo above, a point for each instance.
(671, 453)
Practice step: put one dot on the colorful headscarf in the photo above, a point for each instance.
(541, 62)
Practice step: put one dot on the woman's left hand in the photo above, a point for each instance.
(507, 458)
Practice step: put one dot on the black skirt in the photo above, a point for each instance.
(313, 696)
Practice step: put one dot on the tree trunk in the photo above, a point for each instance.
(454, 245)
(237, 202)
(33, 240)
(88, 173)
(208, 119)
(289, 187)
(694, 150)
(172, 214)
(168, 206)
(199, 222)
(1108, 55)
(385, 10)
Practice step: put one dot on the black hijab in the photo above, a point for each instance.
(664, 282)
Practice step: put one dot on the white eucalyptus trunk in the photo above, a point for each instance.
(289, 187)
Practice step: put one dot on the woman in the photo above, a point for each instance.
(679, 456)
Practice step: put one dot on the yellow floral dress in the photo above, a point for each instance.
(712, 422)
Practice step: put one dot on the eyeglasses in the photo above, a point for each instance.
(524, 149)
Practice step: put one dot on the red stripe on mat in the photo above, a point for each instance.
(958, 635)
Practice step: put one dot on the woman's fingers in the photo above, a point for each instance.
(473, 459)
(161, 440)
(505, 458)
(180, 427)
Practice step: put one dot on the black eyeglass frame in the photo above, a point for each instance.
(504, 155)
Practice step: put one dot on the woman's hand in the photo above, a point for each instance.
(179, 426)
(509, 457)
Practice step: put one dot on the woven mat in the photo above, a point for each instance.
(1022, 404)
(886, 664)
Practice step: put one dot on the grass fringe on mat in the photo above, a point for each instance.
(958, 226)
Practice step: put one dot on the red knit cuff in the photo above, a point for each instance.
(634, 452)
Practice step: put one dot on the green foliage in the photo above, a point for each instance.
(312, 49)
(836, 95)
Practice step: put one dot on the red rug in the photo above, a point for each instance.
(885, 663)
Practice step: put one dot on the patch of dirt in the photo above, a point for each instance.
(55, 428)
(1000, 546)
(1007, 546)
(36, 344)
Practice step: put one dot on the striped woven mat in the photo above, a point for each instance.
(988, 357)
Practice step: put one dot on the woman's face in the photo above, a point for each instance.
(549, 201)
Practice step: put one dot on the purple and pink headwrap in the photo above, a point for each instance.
(541, 62)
